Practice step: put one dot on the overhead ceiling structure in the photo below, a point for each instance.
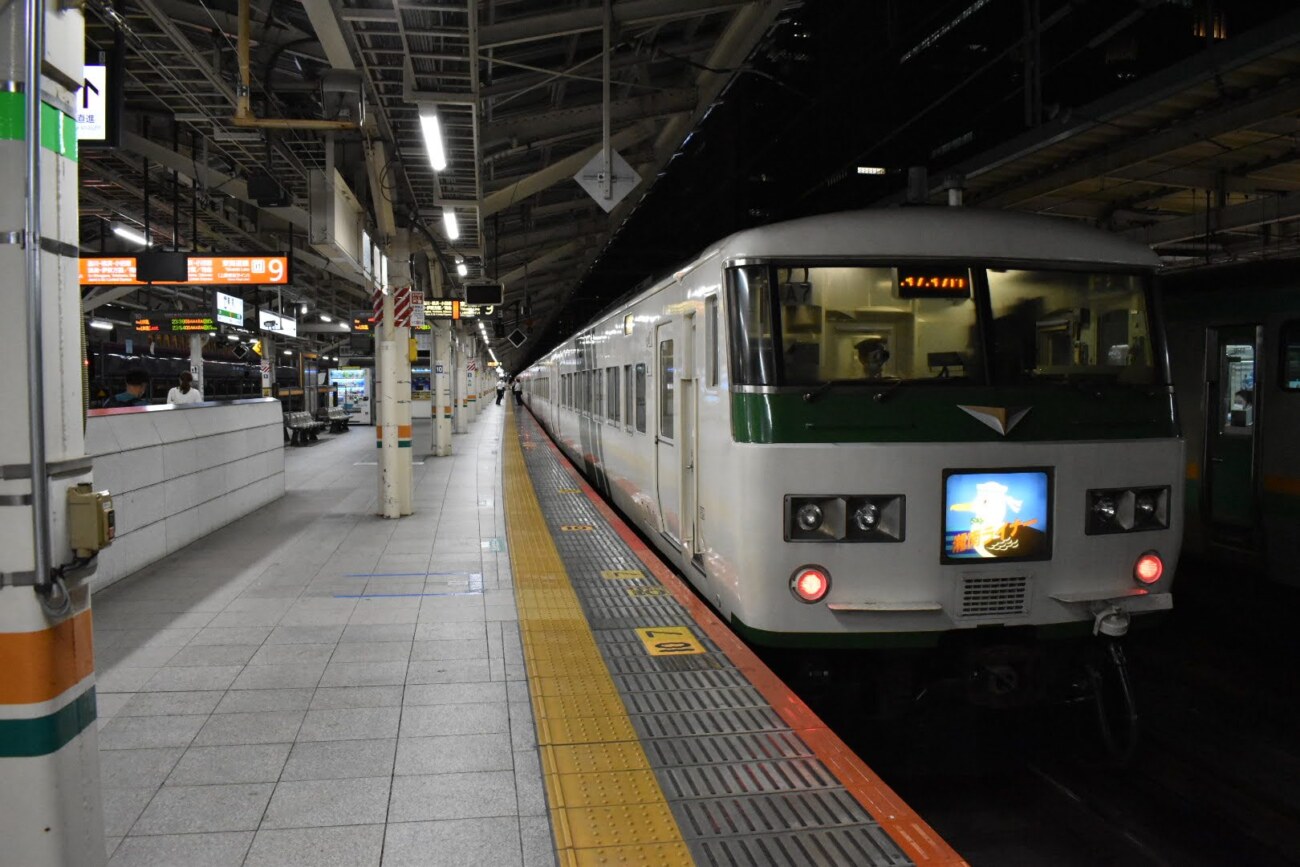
(518, 87)
(1200, 161)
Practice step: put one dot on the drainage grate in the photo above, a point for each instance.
(994, 596)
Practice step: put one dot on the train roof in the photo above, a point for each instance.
(958, 233)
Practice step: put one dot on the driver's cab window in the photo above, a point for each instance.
(876, 324)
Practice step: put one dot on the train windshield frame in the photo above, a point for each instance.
(813, 323)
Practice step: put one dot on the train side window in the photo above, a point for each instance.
(598, 394)
(640, 398)
(630, 392)
(1289, 365)
(711, 341)
(666, 389)
(611, 395)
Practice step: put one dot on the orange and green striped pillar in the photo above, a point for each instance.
(51, 812)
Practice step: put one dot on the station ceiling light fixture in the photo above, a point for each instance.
(325, 317)
(871, 170)
(449, 223)
(101, 324)
(433, 138)
(462, 269)
(133, 235)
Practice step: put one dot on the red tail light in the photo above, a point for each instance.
(1148, 568)
(810, 583)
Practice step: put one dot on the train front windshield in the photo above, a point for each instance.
(800, 326)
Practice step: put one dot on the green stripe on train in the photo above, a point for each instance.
(28, 738)
(58, 131)
(926, 413)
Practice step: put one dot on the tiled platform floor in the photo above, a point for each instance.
(314, 685)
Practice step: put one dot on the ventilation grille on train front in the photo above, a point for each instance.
(994, 596)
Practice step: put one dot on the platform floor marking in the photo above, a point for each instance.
(578, 707)
(576, 528)
(621, 574)
(669, 640)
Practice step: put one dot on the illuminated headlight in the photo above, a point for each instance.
(809, 517)
(1127, 510)
(844, 518)
(1104, 509)
(867, 517)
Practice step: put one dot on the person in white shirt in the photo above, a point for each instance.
(185, 392)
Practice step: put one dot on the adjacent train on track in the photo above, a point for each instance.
(890, 428)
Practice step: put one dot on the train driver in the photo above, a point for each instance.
(872, 355)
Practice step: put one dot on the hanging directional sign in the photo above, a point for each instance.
(92, 108)
(591, 178)
(517, 338)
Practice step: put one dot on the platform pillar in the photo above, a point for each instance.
(393, 427)
(268, 365)
(460, 413)
(196, 360)
(442, 399)
(50, 802)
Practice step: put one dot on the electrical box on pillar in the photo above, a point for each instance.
(92, 523)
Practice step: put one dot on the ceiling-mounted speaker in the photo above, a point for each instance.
(341, 95)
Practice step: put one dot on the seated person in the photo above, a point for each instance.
(872, 355)
(136, 383)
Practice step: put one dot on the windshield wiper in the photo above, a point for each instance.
(810, 396)
(883, 395)
(893, 383)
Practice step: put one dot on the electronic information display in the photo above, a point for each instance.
(175, 322)
(997, 514)
(206, 270)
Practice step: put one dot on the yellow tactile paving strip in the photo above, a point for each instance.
(606, 805)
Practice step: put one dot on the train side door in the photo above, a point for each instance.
(687, 392)
(1229, 483)
(667, 455)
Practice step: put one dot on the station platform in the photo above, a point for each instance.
(507, 677)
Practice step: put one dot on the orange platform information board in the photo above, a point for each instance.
(205, 270)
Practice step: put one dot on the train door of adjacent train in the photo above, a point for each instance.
(667, 453)
(1229, 483)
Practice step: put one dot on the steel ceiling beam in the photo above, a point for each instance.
(1146, 145)
(567, 121)
(629, 12)
(1268, 209)
(559, 171)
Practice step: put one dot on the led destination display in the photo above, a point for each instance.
(175, 322)
(997, 514)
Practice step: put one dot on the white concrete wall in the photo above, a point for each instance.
(178, 473)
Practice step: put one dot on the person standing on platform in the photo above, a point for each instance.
(136, 383)
(501, 390)
(518, 389)
(185, 392)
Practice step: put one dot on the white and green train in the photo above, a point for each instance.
(1234, 338)
(890, 428)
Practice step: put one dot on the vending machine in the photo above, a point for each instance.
(355, 390)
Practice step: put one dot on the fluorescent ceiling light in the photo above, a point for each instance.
(288, 352)
(449, 224)
(871, 170)
(101, 325)
(433, 139)
(233, 337)
(130, 234)
(325, 317)
(462, 269)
